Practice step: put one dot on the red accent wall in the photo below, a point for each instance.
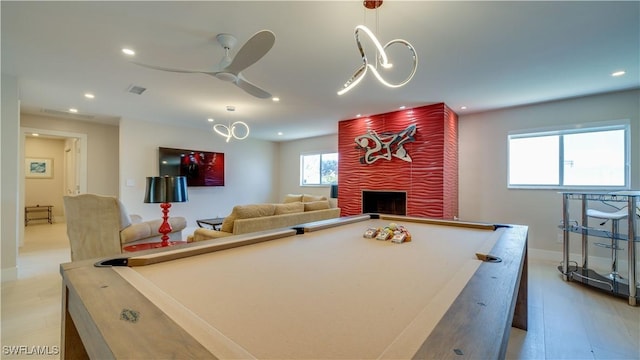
(430, 179)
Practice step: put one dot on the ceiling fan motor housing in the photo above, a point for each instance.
(227, 41)
(226, 76)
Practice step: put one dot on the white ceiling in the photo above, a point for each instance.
(482, 55)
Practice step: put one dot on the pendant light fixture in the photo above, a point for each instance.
(230, 131)
(381, 58)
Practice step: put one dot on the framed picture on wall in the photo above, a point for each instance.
(38, 168)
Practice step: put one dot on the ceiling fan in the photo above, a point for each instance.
(229, 69)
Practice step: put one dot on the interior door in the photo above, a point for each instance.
(72, 170)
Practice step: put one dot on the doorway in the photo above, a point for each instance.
(72, 160)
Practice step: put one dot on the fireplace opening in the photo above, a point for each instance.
(384, 202)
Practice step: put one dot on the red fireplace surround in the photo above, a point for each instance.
(430, 179)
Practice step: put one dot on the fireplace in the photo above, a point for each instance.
(384, 202)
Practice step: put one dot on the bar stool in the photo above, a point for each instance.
(615, 217)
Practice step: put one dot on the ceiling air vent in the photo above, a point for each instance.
(135, 89)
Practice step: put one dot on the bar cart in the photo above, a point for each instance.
(614, 283)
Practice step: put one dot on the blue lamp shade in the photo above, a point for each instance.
(166, 189)
(334, 191)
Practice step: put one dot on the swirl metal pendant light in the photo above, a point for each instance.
(229, 131)
(382, 57)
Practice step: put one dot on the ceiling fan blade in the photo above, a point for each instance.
(245, 85)
(174, 70)
(253, 50)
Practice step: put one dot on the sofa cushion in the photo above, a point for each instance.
(243, 226)
(317, 205)
(292, 198)
(289, 208)
(310, 198)
(251, 211)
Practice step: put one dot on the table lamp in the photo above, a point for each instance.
(166, 190)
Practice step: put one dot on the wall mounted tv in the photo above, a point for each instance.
(202, 168)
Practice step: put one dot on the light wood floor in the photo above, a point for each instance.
(566, 320)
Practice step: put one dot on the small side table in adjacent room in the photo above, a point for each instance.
(38, 212)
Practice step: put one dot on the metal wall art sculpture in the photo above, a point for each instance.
(385, 145)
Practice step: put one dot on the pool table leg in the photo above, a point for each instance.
(70, 342)
(520, 315)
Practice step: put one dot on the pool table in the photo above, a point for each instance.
(315, 291)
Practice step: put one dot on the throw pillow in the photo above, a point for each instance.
(289, 208)
(309, 198)
(316, 205)
(292, 198)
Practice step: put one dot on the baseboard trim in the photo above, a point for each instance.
(595, 262)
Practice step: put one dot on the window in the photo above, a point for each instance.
(319, 169)
(594, 157)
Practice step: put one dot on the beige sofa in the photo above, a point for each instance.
(296, 209)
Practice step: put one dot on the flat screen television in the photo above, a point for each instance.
(201, 168)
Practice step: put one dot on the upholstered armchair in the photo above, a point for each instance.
(99, 226)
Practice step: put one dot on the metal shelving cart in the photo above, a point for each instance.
(617, 285)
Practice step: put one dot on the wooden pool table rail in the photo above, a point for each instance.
(203, 247)
(494, 298)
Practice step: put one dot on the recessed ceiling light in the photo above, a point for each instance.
(280, 133)
(89, 96)
(275, 99)
(128, 52)
(402, 107)
(358, 115)
(73, 110)
(210, 120)
(463, 108)
(618, 73)
(35, 134)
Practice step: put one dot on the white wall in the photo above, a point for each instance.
(483, 161)
(10, 173)
(251, 173)
(289, 155)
